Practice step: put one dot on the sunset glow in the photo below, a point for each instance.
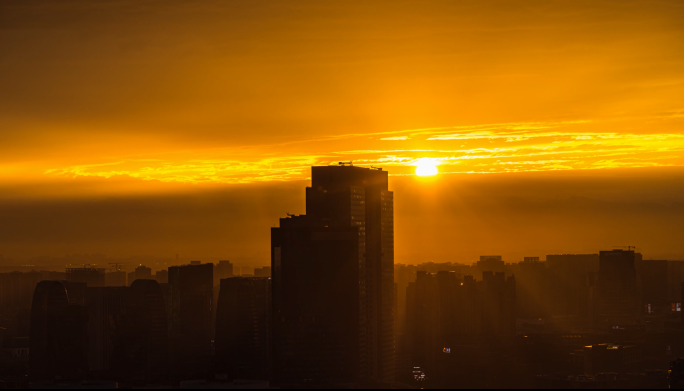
(426, 167)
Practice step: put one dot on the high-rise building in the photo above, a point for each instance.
(59, 336)
(143, 272)
(568, 274)
(498, 304)
(141, 357)
(224, 269)
(318, 333)
(493, 263)
(619, 298)
(190, 314)
(446, 313)
(243, 329)
(347, 196)
(127, 333)
(106, 307)
(653, 275)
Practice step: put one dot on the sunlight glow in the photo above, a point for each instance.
(426, 167)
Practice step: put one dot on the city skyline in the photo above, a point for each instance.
(360, 194)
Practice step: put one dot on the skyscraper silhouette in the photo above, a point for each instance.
(190, 313)
(353, 197)
(141, 352)
(59, 335)
(317, 329)
(346, 196)
(242, 329)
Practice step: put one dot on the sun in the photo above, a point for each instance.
(426, 167)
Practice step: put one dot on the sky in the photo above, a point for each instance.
(159, 127)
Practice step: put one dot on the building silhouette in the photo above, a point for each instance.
(347, 196)
(446, 312)
(141, 350)
(569, 274)
(59, 336)
(116, 278)
(162, 276)
(262, 271)
(224, 269)
(106, 306)
(190, 296)
(619, 296)
(243, 329)
(91, 276)
(143, 272)
(318, 332)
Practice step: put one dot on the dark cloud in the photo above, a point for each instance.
(449, 218)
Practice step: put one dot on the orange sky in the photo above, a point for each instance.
(123, 99)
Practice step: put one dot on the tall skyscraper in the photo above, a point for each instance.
(343, 196)
(352, 197)
(243, 329)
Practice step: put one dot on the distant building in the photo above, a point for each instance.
(143, 273)
(106, 307)
(224, 269)
(142, 356)
(190, 314)
(262, 271)
(89, 275)
(162, 276)
(59, 336)
(653, 276)
(117, 278)
(569, 273)
(128, 333)
(619, 297)
(243, 329)
(445, 312)
(492, 263)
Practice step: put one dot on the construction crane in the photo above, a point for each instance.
(116, 264)
(629, 248)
